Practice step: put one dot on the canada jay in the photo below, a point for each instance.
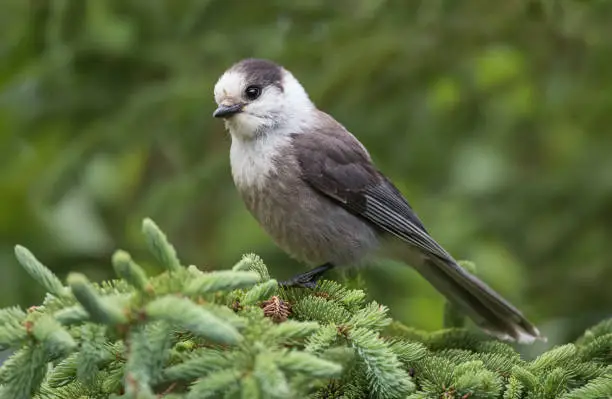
(314, 189)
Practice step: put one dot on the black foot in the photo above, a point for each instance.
(308, 279)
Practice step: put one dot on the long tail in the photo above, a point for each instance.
(484, 306)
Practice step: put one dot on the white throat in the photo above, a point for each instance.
(252, 161)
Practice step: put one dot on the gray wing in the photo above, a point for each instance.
(334, 163)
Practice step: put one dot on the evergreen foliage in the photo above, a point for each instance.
(236, 334)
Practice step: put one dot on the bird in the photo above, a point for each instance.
(314, 189)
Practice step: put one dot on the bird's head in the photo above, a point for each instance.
(258, 97)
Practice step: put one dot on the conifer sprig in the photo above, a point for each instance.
(189, 334)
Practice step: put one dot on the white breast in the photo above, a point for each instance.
(252, 160)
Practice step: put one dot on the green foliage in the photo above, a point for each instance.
(188, 334)
(41, 274)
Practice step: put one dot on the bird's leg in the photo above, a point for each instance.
(308, 279)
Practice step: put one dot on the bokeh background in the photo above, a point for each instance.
(493, 117)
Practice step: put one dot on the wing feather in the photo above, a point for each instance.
(379, 213)
(334, 163)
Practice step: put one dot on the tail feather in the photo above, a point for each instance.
(482, 304)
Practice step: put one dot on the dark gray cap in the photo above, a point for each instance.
(260, 72)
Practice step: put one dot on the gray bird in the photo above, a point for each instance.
(313, 188)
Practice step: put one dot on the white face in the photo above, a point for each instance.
(274, 110)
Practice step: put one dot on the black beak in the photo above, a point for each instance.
(225, 111)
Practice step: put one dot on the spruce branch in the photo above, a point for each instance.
(291, 329)
(386, 376)
(454, 339)
(219, 381)
(12, 330)
(149, 347)
(408, 352)
(200, 362)
(23, 372)
(342, 355)
(252, 262)
(514, 389)
(302, 362)
(159, 246)
(234, 333)
(249, 388)
(472, 379)
(527, 379)
(555, 382)
(496, 361)
(324, 338)
(372, 315)
(40, 272)
(101, 310)
(320, 309)
(71, 315)
(132, 273)
(224, 280)
(226, 314)
(271, 379)
(597, 349)
(54, 338)
(11, 315)
(600, 387)
(259, 292)
(183, 312)
(93, 353)
(351, 299)
(434, 374)
(65, 372)
(560, 356)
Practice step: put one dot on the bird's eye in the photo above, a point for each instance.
(252, 92)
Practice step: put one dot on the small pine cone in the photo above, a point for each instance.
(322, 294)
(276, 309)
(236, 306)
(343, 330)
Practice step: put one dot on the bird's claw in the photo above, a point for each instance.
(308, 279)
(299, 283)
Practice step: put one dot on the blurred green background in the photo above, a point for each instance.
(492, 117)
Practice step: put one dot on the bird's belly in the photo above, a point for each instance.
(310, 227)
